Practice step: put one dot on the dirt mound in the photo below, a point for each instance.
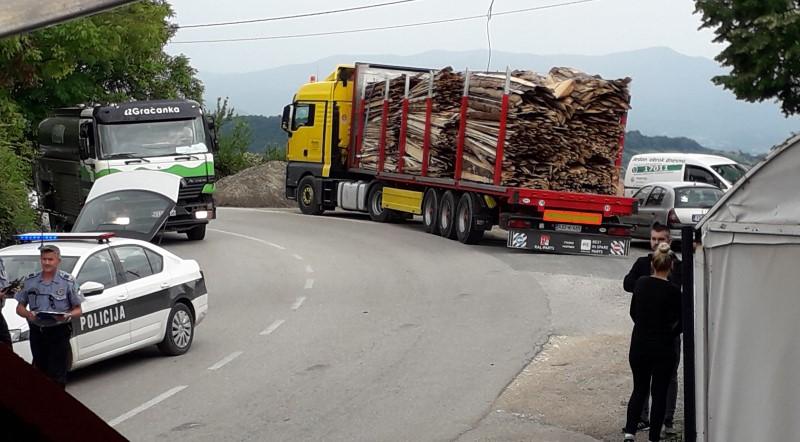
(259, 186)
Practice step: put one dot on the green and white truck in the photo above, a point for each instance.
(79, 144)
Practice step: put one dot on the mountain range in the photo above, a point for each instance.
(672, 93)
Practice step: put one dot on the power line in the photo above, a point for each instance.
(289, 17)
(381, 28)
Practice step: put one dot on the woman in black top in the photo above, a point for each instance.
(656, 313)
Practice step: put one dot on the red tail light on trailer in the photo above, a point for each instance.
(619, 231)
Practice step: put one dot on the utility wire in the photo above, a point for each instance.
(489, 34)
(381, 28)
(289, 17)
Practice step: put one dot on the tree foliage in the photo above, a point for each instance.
(234, 139)
(762, 48)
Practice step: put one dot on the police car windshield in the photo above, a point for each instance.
(130, 213)
(152, 138)
(19, 266)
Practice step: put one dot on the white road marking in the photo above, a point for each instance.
(271, 244)
(274, 326)
(297, 257)
(152, 402)
(309, 284)
(298, 303)
(226, 360)
(309, 269)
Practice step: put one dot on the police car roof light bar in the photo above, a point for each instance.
(49, 236)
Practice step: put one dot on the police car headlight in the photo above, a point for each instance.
(18, 335)
(201, 214)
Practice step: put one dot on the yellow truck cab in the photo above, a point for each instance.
(318, 125)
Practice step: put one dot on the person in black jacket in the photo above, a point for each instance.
(656, 313)
(659, 234)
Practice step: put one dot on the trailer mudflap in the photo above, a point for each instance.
(557, 242)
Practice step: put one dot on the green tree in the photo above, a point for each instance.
(763, 50)
(108, 57)
(233, 144)
(114, 56)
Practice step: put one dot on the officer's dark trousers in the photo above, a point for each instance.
(652, 371)
(50, 348)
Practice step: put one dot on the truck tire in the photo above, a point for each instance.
(447, 215)
(196, 233)
(430, 210)
(307, 197)
(374, 199)
(466, 229)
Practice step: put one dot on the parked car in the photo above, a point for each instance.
(646, 169)
(671, 204)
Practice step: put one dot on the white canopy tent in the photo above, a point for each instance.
(747, 306)
(18, 16)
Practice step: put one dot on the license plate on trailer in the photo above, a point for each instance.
(697, 217)
(574, 228)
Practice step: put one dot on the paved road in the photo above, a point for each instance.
(337, 328)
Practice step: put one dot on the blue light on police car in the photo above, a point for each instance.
(31, 237)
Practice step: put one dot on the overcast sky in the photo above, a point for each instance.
(594, 28)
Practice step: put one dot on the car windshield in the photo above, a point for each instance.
(731, 172)
(152, 139)
(19, 266)
(696, 197)
(130, 213)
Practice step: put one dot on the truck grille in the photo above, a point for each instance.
(191, 191)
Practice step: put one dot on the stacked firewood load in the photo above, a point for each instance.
(562, 129)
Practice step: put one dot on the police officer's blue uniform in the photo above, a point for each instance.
(5, 336)
(49, 339)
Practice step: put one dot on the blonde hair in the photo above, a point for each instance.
(662, 258)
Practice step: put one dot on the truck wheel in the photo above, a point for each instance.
(196, 233)
(180, 331)
(466, 230)
(374, 199)
(430, 210)
(447, 215)
(306, 197)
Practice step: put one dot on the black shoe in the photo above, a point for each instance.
(643, 425)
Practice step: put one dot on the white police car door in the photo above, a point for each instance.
(147, 291)
(103, 326)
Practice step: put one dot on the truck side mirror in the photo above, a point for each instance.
(286, 119)
(85, 140)
(212, 127)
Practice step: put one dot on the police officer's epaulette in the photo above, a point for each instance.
(66, 276)
(33, 275)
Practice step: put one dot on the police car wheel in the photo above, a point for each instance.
(180, 331)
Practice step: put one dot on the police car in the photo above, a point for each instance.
(137, 293)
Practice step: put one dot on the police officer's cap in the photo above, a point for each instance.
(49, 248)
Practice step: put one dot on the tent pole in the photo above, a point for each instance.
(689, 414)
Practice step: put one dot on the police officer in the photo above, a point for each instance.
(49, 300)
(5, 336)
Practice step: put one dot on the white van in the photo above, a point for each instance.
(648, 168)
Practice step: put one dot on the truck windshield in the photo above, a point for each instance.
(731, 172)
(152, 138)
